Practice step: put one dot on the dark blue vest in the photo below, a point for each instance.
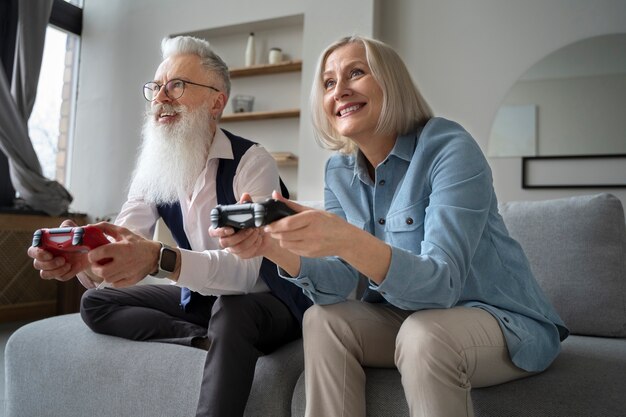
(288, 293)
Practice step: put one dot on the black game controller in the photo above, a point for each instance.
(242, 216)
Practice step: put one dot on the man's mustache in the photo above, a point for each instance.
(165, 108)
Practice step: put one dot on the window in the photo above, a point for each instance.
(50, 123)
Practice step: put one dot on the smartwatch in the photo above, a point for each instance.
(167, 262)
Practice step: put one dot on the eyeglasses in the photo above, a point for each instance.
(174, 89)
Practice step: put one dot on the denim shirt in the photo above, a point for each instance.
(432, 200)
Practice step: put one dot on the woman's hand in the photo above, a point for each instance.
(252, 242)
(312, 233)
(317, 233)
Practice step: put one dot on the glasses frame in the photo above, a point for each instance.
(185, 82)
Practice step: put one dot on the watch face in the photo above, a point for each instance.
(168, 259)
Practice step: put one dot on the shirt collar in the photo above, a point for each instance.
(220, 147)
(402, 149)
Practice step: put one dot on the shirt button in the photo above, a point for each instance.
(381, 221)
(409, 220)
(381, 182)
(305, 284)
(506, 319)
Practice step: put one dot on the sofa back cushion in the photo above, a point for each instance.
(577, 250)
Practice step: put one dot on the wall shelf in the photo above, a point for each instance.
(260, 115)
(285, 159)
(288, 163)
(265, 69)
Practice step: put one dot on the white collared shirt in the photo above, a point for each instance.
(207, 268)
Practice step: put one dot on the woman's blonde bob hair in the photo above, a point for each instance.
(404, 109)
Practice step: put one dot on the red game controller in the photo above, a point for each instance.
(61, 240)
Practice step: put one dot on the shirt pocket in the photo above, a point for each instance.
(405, 227)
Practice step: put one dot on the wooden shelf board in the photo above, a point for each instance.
(260, 115)
(264, 69)
(288, 163)
(285, 159)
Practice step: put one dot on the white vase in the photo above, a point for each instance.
(275, 56)
(250, 51)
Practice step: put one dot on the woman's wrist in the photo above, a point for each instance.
(368, 254)
(286, 260)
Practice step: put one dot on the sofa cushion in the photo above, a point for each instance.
(577, 249)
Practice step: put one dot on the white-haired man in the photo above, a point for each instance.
(187, 165)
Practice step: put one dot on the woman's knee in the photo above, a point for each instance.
(314, 316)
(329, 329)
(323, 319)
(423, 338)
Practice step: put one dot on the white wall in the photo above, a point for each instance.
(577, 115)
(120, 52)
(465, 55)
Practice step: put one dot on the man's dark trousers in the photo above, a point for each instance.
(240, 329)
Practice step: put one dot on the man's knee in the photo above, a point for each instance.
(234, 314)
(93, 305)
(233, 307)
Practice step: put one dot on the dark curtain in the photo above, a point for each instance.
(17, 102)
(8, 28)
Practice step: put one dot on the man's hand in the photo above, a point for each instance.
(62, 268)
(127, 260)
(246, 243)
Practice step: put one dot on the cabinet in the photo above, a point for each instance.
(23, 294)
(275, 119)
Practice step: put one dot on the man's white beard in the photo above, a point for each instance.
(172, 156)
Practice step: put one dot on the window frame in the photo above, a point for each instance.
(67, 16)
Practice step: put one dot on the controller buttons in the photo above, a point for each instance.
(381, 221)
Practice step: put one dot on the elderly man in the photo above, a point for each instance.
(236, 309)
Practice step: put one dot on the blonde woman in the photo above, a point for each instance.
(449, 298)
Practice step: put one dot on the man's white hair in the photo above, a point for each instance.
(200, 47)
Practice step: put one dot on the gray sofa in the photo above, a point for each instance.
(577, 247)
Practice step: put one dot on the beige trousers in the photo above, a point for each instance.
(440, 354)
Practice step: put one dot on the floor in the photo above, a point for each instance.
(5, 332)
